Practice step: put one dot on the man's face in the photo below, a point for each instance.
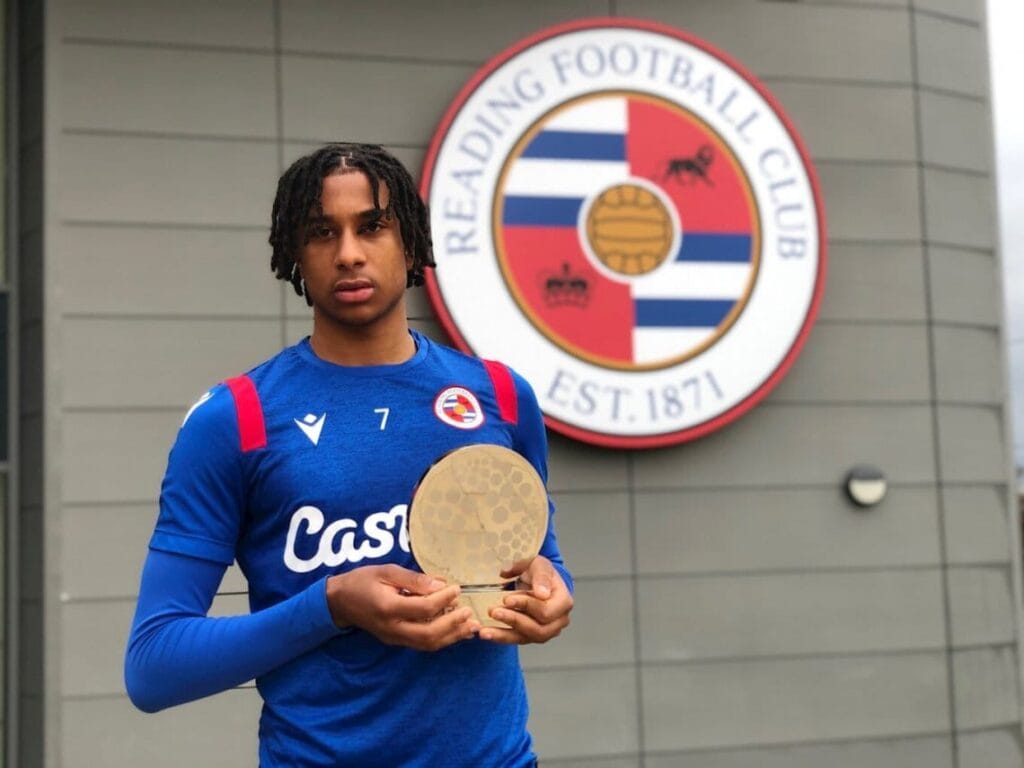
(354, 263)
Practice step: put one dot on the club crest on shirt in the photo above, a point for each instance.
(459, 408)
(626, 216)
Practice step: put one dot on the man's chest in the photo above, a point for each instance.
(332, 488)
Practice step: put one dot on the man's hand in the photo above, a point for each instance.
(535, 617)
(400, 607)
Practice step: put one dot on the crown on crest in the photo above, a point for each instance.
(564, 288)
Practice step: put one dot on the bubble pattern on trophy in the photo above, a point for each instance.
(477, 511)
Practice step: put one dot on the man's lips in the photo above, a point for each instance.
(353, 291)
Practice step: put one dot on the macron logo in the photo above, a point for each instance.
(311, 426)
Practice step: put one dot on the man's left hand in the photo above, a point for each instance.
(533, 617)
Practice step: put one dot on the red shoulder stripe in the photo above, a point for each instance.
(251, 430)
(504, 390)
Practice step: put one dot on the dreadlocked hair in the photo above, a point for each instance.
(299, 198)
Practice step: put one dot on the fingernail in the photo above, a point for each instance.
(543, 591)
(436, 584)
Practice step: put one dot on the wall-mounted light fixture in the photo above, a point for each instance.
(865, 485)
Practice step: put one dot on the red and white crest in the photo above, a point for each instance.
(458, 407)
(624, 215)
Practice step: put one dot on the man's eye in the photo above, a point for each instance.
(373, 226)
(320, 232)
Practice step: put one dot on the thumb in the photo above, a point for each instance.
(541, 581)
(413, 581)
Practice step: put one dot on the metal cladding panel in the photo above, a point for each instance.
(733, 608)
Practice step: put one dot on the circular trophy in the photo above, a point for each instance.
(477, 511)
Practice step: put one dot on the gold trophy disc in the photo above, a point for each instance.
(476, 512)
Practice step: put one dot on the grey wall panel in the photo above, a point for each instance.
(418, 305)
(844, 121)
(591, 762)
(950, 55)
(575, 713)
(237, 23)
(801, 448)
(977, 528)
(104, 460)
(964, 286)
(92, 643)
(959, 209)
(234, 580)
(970, 10)
(874, 282)
(986, 687)
(166, 181)
(410, 156)
(297, 328)
(980, 605)
(991, 749)
(578, 467)
(757, 530)
(601, 631)
(688, 618)
(417, 30)
(692, 706)
(430, 328)
(870, 202)
(972, 445)
(859, 363)
(229, 605)
(873, 3)
(168, 271)
(417, 94)
(956, 131)
(296, 309)
(841, 42)
(158, 362)
(968, 365)
(926, 752)
(593, 533)
(217, 731)
(167, 91)
(104, 546)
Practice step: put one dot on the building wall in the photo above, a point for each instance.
(733, 609)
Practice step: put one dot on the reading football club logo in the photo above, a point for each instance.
(624, 215)
(458, 407)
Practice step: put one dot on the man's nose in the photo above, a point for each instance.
(350, 252)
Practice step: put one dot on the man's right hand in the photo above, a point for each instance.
(400, 607)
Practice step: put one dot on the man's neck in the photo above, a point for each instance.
(347, 345)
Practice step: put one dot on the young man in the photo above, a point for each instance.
(301, 471)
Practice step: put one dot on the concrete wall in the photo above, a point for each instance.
(733, 609)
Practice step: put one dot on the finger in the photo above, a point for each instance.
(413, 582)
(523, 627)
(440, 631)
(516, 568)
(559, 602)
(420, 608)
(540, 577)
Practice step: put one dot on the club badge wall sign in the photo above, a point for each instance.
(625, 216)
